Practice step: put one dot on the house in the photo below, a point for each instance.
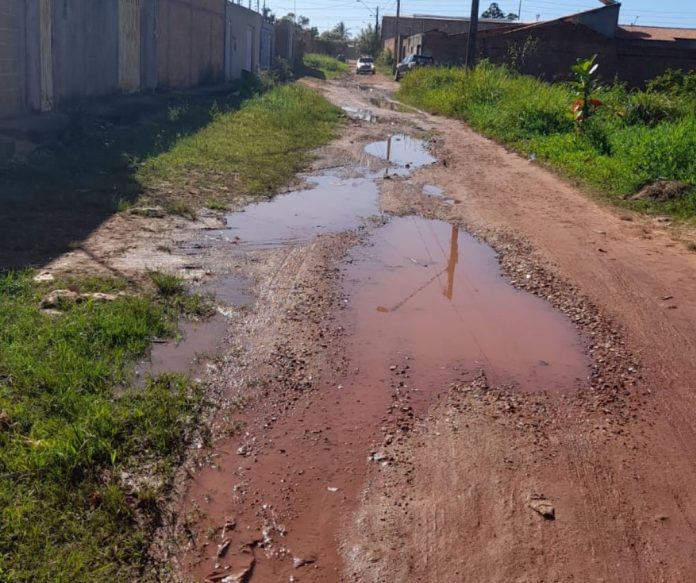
(548, 49)
(418, 24)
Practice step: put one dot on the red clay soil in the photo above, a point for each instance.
(392, 466)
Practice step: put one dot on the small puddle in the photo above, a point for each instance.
(232, 290)
(436, 192)
(432, 291)
(334, 204)
(403, 152)
(197, 339)
(359, 113)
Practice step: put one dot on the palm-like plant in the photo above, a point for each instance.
(585, 85)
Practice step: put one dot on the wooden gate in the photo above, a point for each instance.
(129, 27)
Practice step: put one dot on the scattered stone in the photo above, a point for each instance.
(544, 507)
(43, 277)
(100, 297)
(57, 296)
(150, 212)
(332, 489)
(298, 562)
(379, 457)
(223, 548)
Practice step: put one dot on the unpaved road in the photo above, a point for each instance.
(431, 362)
(417, 455)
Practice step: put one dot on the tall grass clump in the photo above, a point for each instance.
(632, 139)
(75, 501)
(254, 149)
(329, 66)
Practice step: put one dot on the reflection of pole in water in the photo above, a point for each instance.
(452, 264)
(386, 170)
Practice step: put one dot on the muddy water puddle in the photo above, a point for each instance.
(403, 152)
(428, 305)
(231, 290)
(359, 113)
(429, 290)
(196, 341)
(332, 204)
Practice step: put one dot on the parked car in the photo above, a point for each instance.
(411, 62)
(365, 65)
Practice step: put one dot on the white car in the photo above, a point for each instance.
(365, 65)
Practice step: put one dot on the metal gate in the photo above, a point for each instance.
(129, 27)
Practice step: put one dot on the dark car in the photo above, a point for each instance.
(411, 62)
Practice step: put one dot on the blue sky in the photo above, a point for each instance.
(325, 13)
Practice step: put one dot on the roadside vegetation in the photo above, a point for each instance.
(636, 147)
(327, 67)
(252, 150)
(85, 457)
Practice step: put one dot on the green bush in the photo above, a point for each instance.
(632, 139)
(649, 109)
(674, 81)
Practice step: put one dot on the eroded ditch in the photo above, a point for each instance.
(426, 303)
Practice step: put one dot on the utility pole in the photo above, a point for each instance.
(473, 29)
(397, 36)
(519, 12)
(377, 46)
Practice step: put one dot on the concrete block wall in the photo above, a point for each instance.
(11, 41)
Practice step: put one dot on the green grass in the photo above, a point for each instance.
(253, 150)
(74, 438)
(634, 139)
(329, 67)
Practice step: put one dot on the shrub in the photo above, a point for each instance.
(649, 109)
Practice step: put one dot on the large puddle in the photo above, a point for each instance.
(430, 291)
(333, 204)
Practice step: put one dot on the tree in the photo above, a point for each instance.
(268, 16)
(496, 13)
(367, 41)
(339, 33)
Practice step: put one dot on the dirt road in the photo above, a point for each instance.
(452, 366)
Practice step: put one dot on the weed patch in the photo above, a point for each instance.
(633, 139)
(253, 150)
(83, 457)
(323, 66)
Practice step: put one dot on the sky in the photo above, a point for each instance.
(324, 14)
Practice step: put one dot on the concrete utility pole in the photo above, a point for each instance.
(473, 29)
(397, 36)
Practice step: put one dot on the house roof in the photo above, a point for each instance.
(629, 31)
